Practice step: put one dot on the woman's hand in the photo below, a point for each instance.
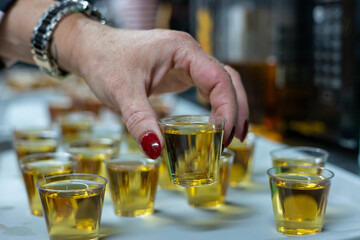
(124, 67)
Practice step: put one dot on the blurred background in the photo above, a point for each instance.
(298, 60)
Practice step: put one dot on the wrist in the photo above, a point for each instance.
(74, 40)
(67, 41)
(44, 48)
(85, 51)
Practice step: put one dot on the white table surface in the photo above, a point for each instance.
(246, 215)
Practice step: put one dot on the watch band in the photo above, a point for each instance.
(44, 31)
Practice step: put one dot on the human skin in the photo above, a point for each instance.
(124, 67)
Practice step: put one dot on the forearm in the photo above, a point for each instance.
(17, 27)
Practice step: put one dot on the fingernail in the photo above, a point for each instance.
(230, 138)
(245, 130)
(151, 145)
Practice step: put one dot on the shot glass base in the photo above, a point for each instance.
(243, 184)
(173, 188)
(298, 231)
(193, 182)
(209, 204)
(72, 237)
(134, 213)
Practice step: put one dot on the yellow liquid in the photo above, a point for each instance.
(242, 166)
(304, 162)
(210, 195)
(69, 215)
(92, 160)
(27, 147)
(193, 154)
(133, 188)
(299, 208)
(72, 131)
(131, 144)
(35, 171)
(164, 176)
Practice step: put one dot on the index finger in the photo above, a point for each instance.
(243, 108)
(216, 85)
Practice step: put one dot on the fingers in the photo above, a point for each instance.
(141, 122)
(243, 109)
(216, 85)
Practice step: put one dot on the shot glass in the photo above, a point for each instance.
(213, 195)
(38, 166)
(243, 161)
(133, 183)
(307, 156)
(72, 205)
(115, 135)
(299, 197)
(93, 153)
(58, 107)
(193, 147)
(34, 140)
(76, 125)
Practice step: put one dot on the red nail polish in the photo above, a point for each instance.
(245, 130)
(230, 138)
(151, 145)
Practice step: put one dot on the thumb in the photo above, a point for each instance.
(141, 122)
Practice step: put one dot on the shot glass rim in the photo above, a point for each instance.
(125, 157)
(332, 174)
(232, 155)
(115, 136)
(323, 152)
(40, 133)
(49, 154)
(219, 119)
(61, 99)
(86, 116)
(107, 140)
(101, 185)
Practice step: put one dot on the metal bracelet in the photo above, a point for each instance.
(44, 31)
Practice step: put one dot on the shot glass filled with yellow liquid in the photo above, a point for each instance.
(72, 205)
(116, 136)
(133, 183)
(213, 195)
(34, 140)
(58, 107)
(38, 166)
(243, 161)
(76, 125)
(193, 147)
(308, 156)
(299, 197)
(93, 154)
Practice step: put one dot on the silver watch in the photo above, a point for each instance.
(44, 31)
